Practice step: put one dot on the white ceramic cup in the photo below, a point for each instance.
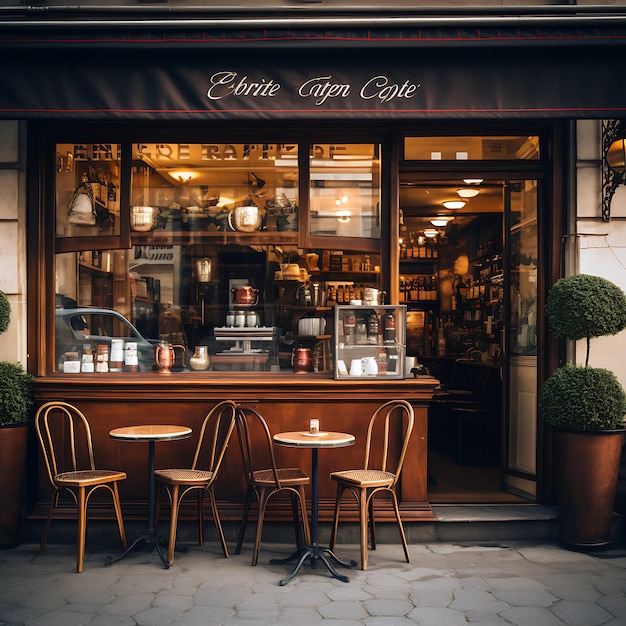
(356, 367)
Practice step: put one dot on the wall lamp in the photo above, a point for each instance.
(613, 161)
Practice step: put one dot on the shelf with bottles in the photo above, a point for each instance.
(418, 288)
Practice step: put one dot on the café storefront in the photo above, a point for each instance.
(221, 213)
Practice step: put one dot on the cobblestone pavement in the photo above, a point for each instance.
(445, 584)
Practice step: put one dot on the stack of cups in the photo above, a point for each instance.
(116, 363)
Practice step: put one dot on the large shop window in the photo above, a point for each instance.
(225, 268)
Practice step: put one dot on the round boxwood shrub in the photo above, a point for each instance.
(584, 306)
(583, 398)
(15, 393)
(5, 312)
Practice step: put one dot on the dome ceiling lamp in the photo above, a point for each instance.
(467, 192)
(441, 221)
(454, 204)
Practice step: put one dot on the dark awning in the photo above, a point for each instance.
(191, 74)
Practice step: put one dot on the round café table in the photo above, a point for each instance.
(304, 439)
(150, 433)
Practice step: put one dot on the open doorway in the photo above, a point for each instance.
(456, 278)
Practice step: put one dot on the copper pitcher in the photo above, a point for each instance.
(301, 360)
(164, 356)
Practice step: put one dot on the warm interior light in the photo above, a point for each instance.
(468, 192)
(616, 155)
(343, 216)
(472, 181)
(182, 176)
(431, 232)
(441, 221)
(224, 201)
(454, 204)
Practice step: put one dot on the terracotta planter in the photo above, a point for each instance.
(13, 444)
(587, 467)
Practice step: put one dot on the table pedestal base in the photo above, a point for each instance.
(151, 540)
(316, 553)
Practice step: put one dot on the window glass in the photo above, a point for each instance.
(87, 190)
(478, 148)
(217, 269)
(345, 190)
(214, 187)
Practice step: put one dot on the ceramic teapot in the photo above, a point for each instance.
(200, 359)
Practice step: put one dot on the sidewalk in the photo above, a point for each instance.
(446, 584)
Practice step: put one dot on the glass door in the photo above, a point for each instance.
(522, 252)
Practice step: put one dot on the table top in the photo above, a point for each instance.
(151, 432)
(304, 439)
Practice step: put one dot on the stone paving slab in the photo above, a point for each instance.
(445, 584)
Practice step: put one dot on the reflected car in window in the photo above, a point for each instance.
(79, 330)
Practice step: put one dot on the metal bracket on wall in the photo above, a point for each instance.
(611, 130)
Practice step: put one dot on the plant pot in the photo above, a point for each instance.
(587, 467)
(13, 445)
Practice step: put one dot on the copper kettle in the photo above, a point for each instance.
(245, 295)
(301, 360)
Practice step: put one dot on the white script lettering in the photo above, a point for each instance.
(380, 87)
(225, 83)
(321, 89)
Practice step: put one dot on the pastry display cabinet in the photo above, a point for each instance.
(370, 341)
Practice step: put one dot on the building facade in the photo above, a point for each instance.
(315, 104)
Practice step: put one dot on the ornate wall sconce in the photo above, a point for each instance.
(613, 162)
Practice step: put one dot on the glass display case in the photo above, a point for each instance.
(370, 341)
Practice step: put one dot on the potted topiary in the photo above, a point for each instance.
(586, 408)
(15, 407)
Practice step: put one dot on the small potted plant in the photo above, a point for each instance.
(586, 408)
(15, 408)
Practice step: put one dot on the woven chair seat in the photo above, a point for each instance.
(84, 478)
(183, 476)
(370, 477)
(286, 476)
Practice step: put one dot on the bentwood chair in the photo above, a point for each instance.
(387, 441)
(65, 438)
(265, 479)
(214, 437)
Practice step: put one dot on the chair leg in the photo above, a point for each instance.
(46, 528)
(372, 523)
(218, 523)
(333, 532)
(400, 527)
(244, 518)
(173, 524)
(259, 525)
(362, 497)
(118, 515)
(81, 505)
(305, 516)
(296, 519)
(200, 515)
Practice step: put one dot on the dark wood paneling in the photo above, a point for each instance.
(287, 403)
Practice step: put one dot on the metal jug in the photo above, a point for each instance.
(245, 219)
(301, 360)
(164, 356)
